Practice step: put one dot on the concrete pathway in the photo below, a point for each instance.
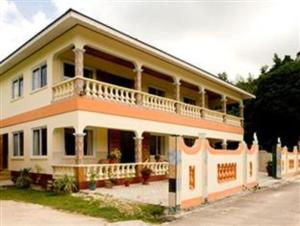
(25, 214)
(276, 206)
(154, 193)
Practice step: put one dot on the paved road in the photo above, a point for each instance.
(276, 207)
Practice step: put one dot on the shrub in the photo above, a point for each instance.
(65, 184)
(24, 180)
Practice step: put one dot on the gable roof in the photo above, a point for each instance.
(72, 17)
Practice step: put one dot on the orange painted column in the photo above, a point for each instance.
(79, 65)
(138, 84)
(138, 153)
(79, 146)
(177, 93)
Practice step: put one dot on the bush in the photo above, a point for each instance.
(24, 180)
(65, 184)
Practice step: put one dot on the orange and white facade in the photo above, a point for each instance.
(79, 89)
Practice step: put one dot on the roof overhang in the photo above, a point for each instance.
(71, 18)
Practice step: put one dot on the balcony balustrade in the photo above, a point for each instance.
(110, 171)
(105, 91)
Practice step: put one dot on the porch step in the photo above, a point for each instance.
(4, 175)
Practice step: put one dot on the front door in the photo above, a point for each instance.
(127, 147)
(3, 151)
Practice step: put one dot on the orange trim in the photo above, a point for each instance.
(191, 202)
(108, 107)
(213, 151)
(225, 193)
(43, 112)
(198, 146)
(253, 149)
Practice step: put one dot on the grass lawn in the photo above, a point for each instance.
(90, 207)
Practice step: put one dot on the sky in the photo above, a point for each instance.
(236, 37)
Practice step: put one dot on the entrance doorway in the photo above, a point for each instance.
(3, 151)
(127, 147)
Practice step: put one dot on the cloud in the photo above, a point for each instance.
(233, 36)
(15, 28)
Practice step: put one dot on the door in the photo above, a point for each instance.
(127, 147)
(4, 151)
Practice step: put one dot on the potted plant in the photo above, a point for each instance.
(127, 180)
(269, 168)
(92, 182)
(146, 172)
(109, 182)
(115, 156)
(157, 158)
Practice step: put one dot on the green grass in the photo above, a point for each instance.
(94, 208)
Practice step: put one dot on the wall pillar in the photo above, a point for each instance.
(174, 175)
(138, 83)
(79, 68)
(79, 147)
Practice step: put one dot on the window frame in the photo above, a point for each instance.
(40, 79)
(20, 91)
(20, 145)
(40, 144)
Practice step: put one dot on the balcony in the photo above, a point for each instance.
(90, 88)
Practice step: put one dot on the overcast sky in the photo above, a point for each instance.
(237, 37)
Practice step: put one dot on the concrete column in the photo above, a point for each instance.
(241, 107)
(224, 107)
(202, 100)
(79, 65)
(138, 154)
(202, 96)
(138, 149)
(224, 104)
(138, 83)
(176, 84)
(79, 147)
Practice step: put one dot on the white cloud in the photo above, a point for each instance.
(236, 37)
(15, 28)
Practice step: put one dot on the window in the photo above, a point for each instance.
(39, 77)
(188, 100)
(69, 71)
(17, 88)
(156, 91)
(40, 142)
(18, 143)
(70, 142)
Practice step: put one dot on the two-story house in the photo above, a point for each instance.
(80, 89)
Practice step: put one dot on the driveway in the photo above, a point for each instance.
(273, 207)
(24, 214)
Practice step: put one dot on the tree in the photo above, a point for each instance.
(223, 76)
(275, 110)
